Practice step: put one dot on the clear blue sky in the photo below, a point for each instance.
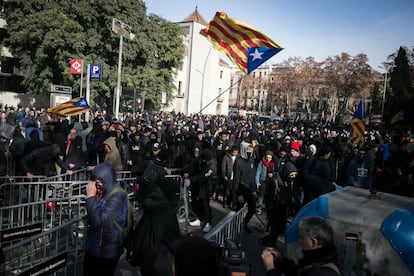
(316, 28)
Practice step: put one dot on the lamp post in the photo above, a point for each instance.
(202, 88)
(384, 90)
(122, 29)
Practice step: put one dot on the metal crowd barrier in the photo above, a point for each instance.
(27, 192)
(43, 222)
(229, 228)
(20, 221)
(58, 250)
(17, 178)
(77, 175)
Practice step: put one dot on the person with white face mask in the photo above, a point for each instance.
(244, 181)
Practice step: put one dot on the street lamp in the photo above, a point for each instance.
(202, 88)
(122, 29)
(384, 90)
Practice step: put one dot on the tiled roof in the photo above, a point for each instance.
(195, 17)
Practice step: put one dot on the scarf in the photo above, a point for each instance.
(269, 165)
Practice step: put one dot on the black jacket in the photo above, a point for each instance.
(244, 170)
(42, 161)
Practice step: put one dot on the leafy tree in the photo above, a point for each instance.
(46, 35)
(400, 96)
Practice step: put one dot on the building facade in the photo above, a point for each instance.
(203, 83)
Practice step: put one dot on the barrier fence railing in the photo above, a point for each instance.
(229, 228)
(43, 222)
(19, 178)
(26, 192)
(23, 220)
(58, 250)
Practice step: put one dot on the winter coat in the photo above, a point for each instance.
(113, 157)
(158, 229)
(359, 173)
(321, 261)
(104, 239)
(262, 170)
(42, 161)
(244, 170)
(74, 154)
(227, 166)
(201, 187)
(3, 164)
(17, 146)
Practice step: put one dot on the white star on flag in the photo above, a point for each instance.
(82, 102)
(256, 55)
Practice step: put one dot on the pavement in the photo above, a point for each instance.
(250, 246)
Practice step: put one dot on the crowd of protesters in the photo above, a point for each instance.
(273, 167)
(321, 153)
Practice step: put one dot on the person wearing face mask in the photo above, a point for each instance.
(359, 170)
(319, 175)
(104, 242)
(192, 157)
(177, 152)
(199, 180)
(244, 181)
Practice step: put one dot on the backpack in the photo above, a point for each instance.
(126, 212)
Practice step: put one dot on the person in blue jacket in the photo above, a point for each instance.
(104, 241)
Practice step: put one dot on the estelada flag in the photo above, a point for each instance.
(76, 66)
(246, 47)
(72, 107)
(358, 125)
(397, 117)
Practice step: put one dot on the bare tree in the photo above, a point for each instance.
(347, 78)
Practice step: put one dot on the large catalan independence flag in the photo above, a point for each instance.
(246, 47)
(358, 125)
(72, 107)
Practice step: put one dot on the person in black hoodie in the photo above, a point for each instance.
(199, 181)
(244, 181)
(42, 161)
(152, 246)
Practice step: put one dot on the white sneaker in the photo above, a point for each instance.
(207, 228)
(196, 222)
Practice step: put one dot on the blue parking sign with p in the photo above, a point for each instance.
(96, 72)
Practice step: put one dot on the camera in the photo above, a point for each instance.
(233, 260)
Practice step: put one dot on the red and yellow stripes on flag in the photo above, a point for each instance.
(72, 107)
(357, 131)
(233, 38)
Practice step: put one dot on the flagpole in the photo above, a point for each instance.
(81, 81)
(80, 91)
(88, 89)
(213, 100)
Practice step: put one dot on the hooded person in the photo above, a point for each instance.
(42, 161)
(105, 206)
(112, 155)
(152, 246)
(244, 181)
(319, 174)
(200, 179)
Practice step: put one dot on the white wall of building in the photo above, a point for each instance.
(202, 77)
(14, 99)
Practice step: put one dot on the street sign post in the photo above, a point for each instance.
(123, 30)
(96, 72)
(61, 89)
